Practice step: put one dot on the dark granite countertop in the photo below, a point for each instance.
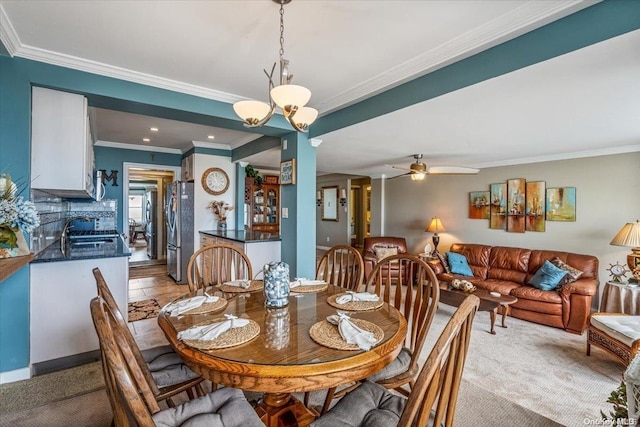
(244, 236)
(116, 248)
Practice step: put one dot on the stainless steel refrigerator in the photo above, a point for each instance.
(179, 220)
(151, 218)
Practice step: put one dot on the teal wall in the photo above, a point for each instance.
(17, 75)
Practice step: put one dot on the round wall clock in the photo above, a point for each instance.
(215, 181)
(617, 271)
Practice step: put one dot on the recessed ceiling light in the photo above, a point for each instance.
(211, 137)
(153, 129)
(146, 139)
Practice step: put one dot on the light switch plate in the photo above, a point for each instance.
(285, 212)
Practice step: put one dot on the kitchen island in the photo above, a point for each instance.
(261, 247)
(62, 285)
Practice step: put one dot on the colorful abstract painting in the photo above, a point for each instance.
(479, 204)
(561, 204)
(498, 208)
(515, 205)
(535, 196)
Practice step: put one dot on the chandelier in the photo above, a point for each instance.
(290, 98)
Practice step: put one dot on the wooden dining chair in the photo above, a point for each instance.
(133, 397)
(215, 264)
(411, 287)
(433, 397)
(163, 369)
(342, 266)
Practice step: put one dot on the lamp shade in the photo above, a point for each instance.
(290, 95)
(629, 235)
(251, 111)
(417, 176)
(305, 116)
(435, 226)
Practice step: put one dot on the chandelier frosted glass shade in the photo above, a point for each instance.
(305, 116)
(251, 111)
(290, 97)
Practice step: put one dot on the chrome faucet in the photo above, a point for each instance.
(65, 230)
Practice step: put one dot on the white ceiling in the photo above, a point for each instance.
(582, 103)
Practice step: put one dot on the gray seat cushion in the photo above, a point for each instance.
(398, 366)
(226, 407)
(160, 357)
(370, 405)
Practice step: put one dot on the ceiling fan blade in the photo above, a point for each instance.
(398, 176)
(452, 170)
(399, 167)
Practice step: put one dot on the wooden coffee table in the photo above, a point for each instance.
(488, 302)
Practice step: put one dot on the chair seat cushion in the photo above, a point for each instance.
(226, 407)
(369, 405)
(625, 329)
(173, 374)
(160, 357)
(399, 365)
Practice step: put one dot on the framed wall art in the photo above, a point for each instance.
(534, 210)
(515, 205)
(479, 204)
(561, 204)
(288, 172)
(498, 208)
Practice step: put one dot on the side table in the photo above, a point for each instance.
(620, 298)
(426, 257)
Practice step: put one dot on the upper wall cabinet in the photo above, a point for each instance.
(61, 144)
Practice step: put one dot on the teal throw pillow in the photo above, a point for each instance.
(547, 277)
(458, 264)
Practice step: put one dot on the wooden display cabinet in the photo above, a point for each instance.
(265, 206)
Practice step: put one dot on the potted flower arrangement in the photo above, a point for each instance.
(220, 209)
(17, 216)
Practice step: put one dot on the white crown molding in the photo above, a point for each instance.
(563, 156)
(529, 16)
(315, 142)
(212, 145)
(8, 35)
(124, 146)
(94, 67)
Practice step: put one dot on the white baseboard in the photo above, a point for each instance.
(13, 376)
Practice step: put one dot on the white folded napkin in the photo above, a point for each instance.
(244, 284)
(178, 307)
(351, 333)
(356, 296)
(301, 281)
(212, 331)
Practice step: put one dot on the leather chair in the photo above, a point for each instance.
(372, 244)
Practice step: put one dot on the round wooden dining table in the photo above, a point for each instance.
(283, 358)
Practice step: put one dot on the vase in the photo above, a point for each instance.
(276, 284)
(222, 225)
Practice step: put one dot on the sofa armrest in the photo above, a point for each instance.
(370, 262)
(436, 266)
(587, 287)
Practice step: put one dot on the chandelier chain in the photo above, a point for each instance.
(281, 30)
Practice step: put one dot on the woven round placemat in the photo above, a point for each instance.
(230, 338)
(327, 334)
(354, 305)
(256, 285)
(208, 307)
(308, 289)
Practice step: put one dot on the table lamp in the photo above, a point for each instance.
(434, 227)
(629, 235)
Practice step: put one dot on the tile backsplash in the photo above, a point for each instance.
(54, 212)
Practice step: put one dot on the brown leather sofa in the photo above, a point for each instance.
(507, 270)
(370, 245)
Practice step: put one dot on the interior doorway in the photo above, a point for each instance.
(143, 211)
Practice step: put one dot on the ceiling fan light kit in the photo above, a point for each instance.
(290, 98)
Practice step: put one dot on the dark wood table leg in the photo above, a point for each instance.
(284, 410)
(493, 313)
(506, 310)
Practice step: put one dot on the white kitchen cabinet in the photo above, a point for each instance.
(62, 330)
(61, 144)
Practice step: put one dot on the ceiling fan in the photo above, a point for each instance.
(418, 170)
